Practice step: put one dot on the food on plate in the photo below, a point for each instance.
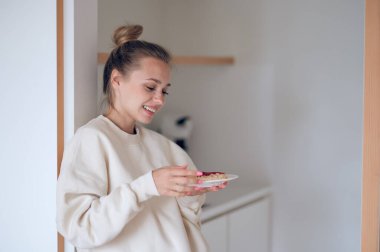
(206, 176)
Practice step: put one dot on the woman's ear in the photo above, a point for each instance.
(116, 77)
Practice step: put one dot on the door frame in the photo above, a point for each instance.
(60, 99)
(371, 133)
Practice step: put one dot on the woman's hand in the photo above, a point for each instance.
(175, 181)
(202, 190)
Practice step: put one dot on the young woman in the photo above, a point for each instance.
(123, 187)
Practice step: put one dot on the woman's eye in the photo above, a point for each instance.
(150, 88)
(153, 89)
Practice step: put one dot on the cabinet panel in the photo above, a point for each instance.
(215, 232)
(248, 227)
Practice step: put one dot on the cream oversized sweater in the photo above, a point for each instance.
(107, 199)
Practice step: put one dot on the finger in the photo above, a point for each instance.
(214, 189)
(188, 180)
(189, 190)
(201, 190)
(185, 173)
(181, 172)
(210, 189)
(224, 185)
(194, 191)
(220, 186)
(178, 188)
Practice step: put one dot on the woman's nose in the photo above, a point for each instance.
(159, 98)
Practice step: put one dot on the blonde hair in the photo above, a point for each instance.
(126, 55)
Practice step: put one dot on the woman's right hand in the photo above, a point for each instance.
(174, 180)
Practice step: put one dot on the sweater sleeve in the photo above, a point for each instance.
(87, 215)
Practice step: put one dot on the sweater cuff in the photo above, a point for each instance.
(144, 187)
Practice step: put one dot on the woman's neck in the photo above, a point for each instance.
(124, 123)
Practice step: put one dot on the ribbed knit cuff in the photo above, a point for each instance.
(144, 187)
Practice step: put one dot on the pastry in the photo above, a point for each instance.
(206, 176)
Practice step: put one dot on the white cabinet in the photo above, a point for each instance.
(243, 229)
(215, 232)
(248, 228)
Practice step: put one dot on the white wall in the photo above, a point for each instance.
(114, 13)
(317, 50)
(300, 63)
(28, 126)
(85, 61)
(80, 76)
(231, 105)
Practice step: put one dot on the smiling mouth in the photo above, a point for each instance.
(149, 109)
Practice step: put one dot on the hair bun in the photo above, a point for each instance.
(126, 33)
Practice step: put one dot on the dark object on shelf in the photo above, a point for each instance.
(177, 128)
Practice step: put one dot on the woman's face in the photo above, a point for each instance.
(141, 94)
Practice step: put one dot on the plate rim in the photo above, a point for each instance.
(230, 177)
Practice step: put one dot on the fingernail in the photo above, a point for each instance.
(199, 182)
(199, 173)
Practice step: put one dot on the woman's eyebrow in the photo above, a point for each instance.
(158, 81)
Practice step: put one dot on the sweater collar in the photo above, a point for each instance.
(132, 138)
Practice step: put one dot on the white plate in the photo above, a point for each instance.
(215, 182)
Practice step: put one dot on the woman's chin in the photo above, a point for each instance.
(145, 120)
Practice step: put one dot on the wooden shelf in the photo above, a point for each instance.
(202, 60)
(187, 60)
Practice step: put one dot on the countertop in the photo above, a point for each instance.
(234, 196)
